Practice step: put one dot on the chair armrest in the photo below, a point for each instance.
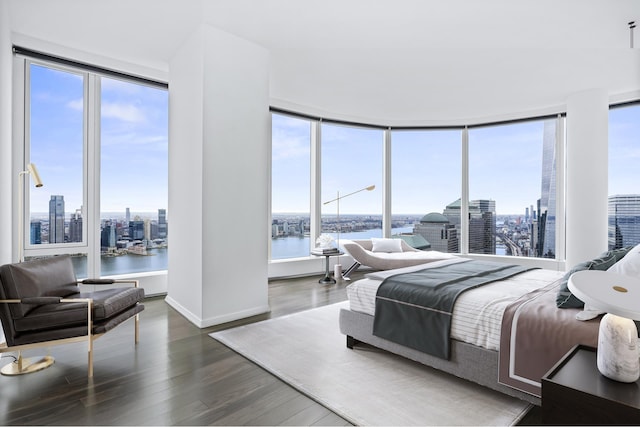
(41, 300)
(108, 281)
(44, 300)
(97, 281)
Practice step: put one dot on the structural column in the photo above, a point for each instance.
(219, 153)
(587, 175)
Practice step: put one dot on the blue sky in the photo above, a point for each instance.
(134, 142)
(505, 161)
(505, 165)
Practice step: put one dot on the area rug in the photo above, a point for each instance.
(365, 386)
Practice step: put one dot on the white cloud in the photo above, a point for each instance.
(76, 104)
(289, 147)
(126, 112)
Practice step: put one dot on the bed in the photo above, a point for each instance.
(504, 335)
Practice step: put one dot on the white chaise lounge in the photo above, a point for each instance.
(387, 254)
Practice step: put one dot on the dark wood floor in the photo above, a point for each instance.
(176, 375)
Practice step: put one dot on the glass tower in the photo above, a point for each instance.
(56, 219)
(624, 220)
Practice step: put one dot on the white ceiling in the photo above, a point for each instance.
(383, 61)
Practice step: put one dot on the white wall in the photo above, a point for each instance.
(218, 171)
(587, 175)
(6, 235)
(186, 88)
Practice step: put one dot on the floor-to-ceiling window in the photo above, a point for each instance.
(512, 192)
(507, 171)
(351, 163)
(290, 187)
(133, 177)
(425, 188)
(624, 175)
(100, 145)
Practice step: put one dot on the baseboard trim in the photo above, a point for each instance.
(216, 320)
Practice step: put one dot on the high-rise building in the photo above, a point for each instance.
(136, 230)
(452, 212)
(439, 232)
(108, 236)
(35, 232)
(162, 224)
(56, 219)
(624, 220)
(127, 217)
(482, 227)
(75, 227)
(546, 245)
(482, 224)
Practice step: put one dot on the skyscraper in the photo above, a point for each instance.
(108, 236)
(36, 232)
(624, 220)
(546, 245)
(56, 219)
(438, 232)
(482, 227)
(75, 227)
(162, 223)
(136, 230)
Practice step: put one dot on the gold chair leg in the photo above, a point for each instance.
(90, 355)
(137, 328)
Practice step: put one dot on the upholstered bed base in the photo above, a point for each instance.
(467, 361)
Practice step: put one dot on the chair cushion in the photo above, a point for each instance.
(107, 304)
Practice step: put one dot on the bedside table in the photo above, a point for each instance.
(574, 392)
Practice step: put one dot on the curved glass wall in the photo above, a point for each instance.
(351, 160)
(512, 189)
(507, 172)
(425, 188)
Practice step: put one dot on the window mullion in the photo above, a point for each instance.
(91, 210)
(316, 180)
(464, 200)
(386, 184)
(560, 186)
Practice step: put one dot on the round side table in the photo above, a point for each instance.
(327, 279)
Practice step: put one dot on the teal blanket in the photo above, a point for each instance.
(415, 309)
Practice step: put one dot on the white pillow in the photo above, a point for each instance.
(629, 265)
(386, 245)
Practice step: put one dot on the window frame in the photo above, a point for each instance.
(560, 141)
(92, 76)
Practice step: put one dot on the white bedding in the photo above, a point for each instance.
(477, 314)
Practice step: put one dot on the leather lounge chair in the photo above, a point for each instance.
(42, 305)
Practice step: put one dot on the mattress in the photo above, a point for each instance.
(477, 314)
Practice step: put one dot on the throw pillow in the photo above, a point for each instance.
(386, 245)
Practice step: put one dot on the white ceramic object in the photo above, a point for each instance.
(619, 296)
(618, 349)
(337, 271)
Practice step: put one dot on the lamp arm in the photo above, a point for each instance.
(369, 188)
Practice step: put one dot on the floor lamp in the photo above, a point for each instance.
(337, 200)
(31, 170)
(32, 364)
